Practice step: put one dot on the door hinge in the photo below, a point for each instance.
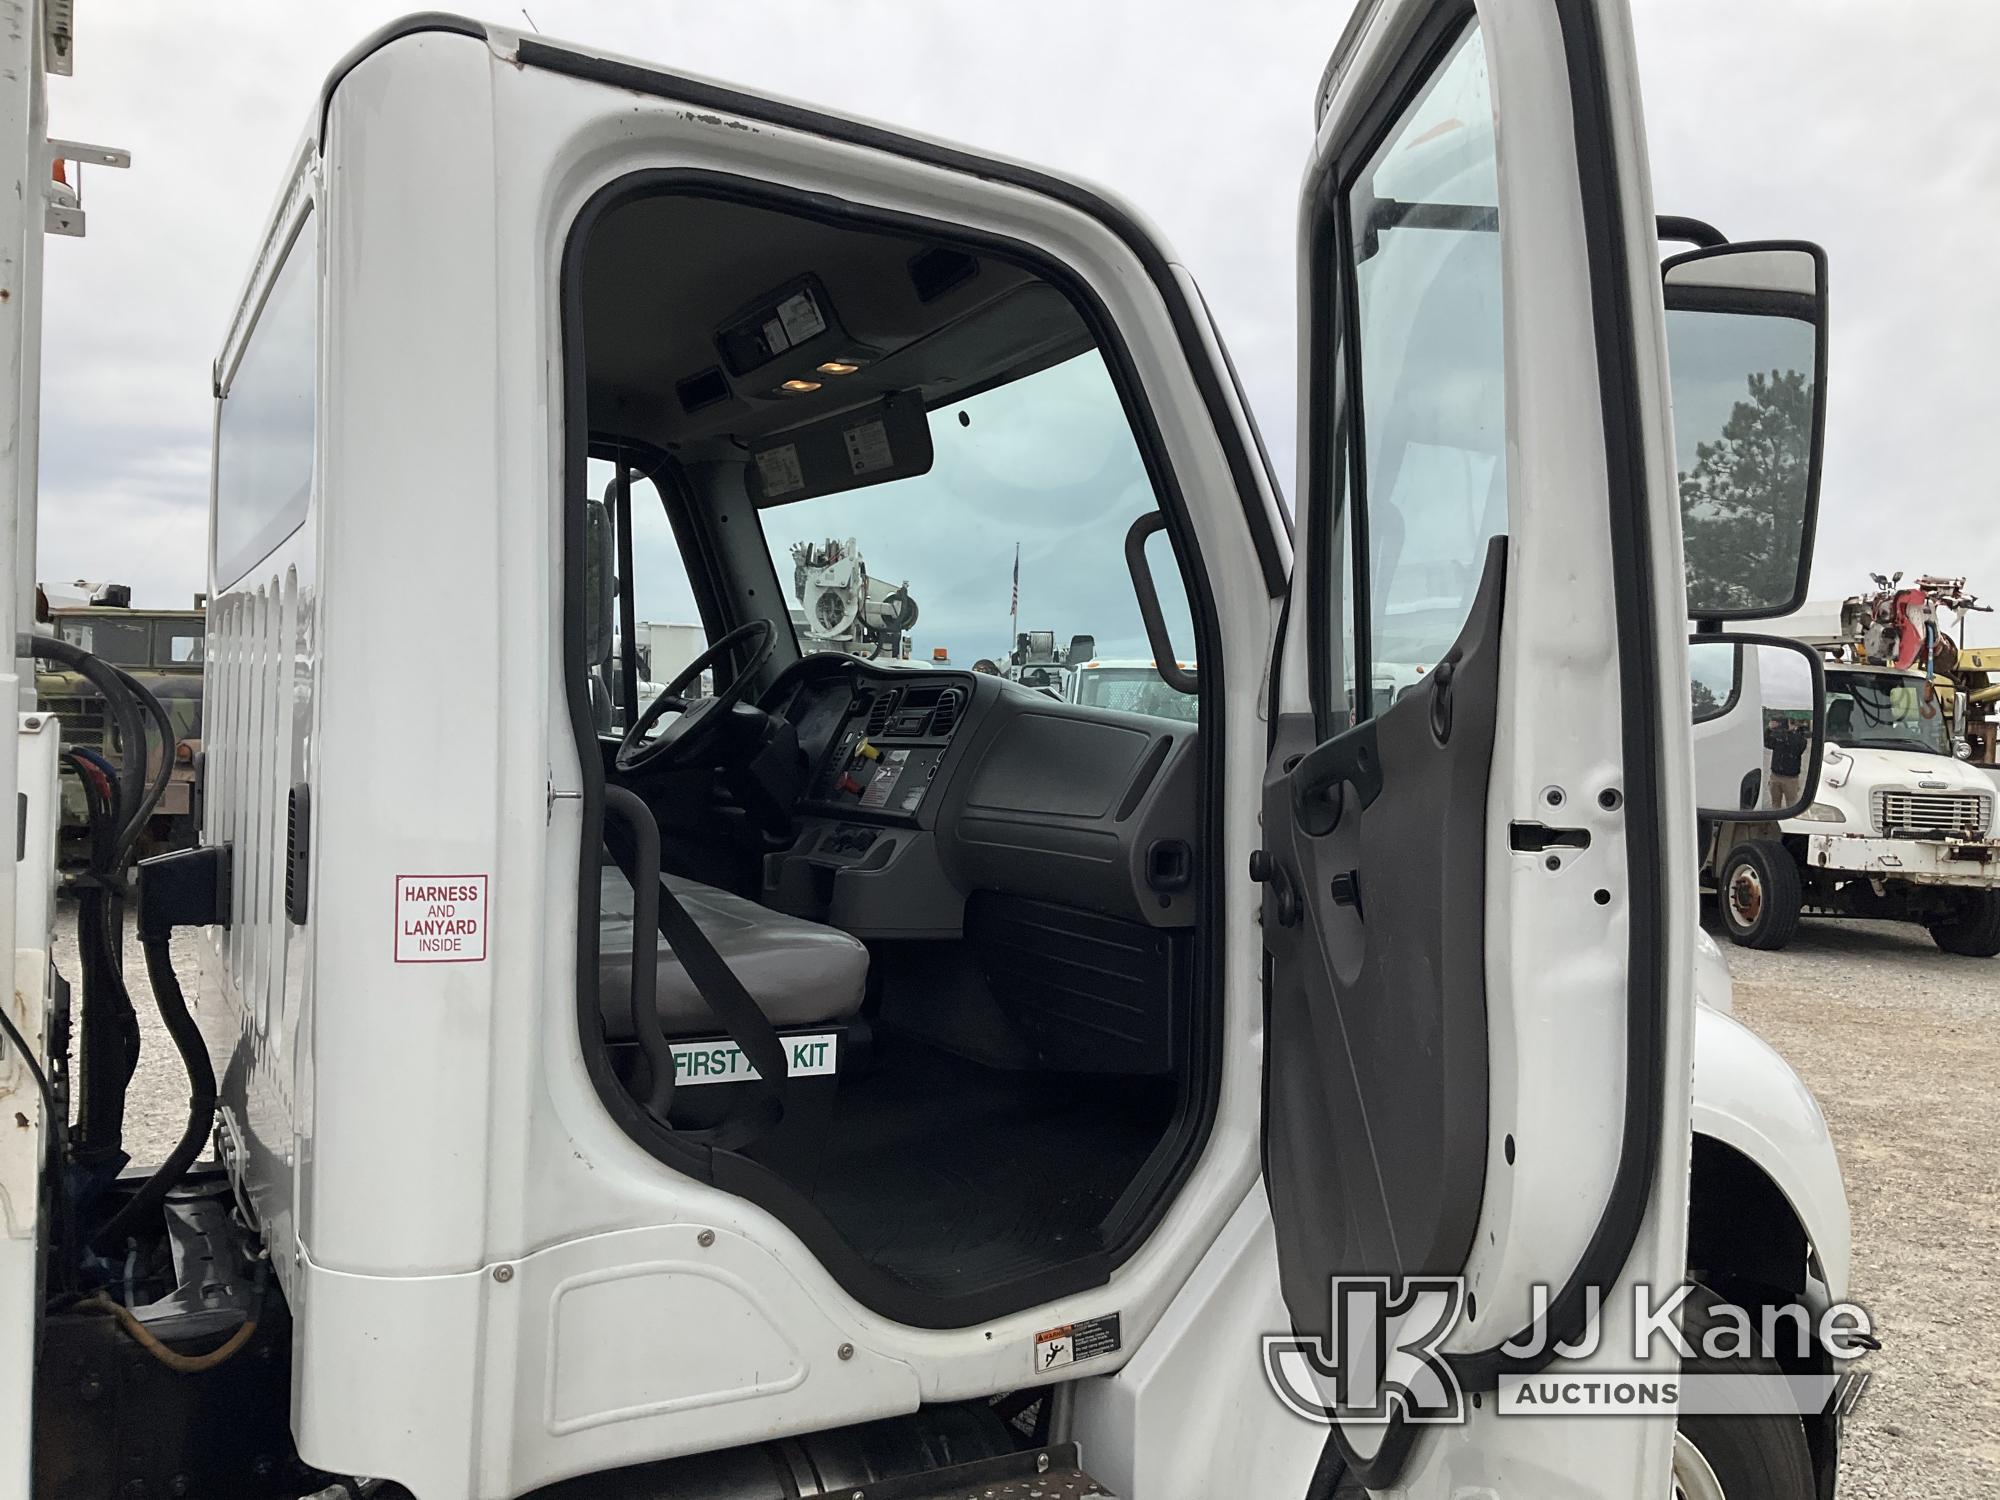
(1267, 872)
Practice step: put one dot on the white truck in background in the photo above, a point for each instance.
(1900, 827)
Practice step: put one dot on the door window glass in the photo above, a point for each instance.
(1424, 237)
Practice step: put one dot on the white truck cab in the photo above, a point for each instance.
(1899, 828)
(869, 1082)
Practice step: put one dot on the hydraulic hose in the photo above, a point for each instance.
(187, 1039)
(120, 700)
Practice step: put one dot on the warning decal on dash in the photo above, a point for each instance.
(1074, 1342)
(440, 919)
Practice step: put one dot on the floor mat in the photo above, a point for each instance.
(954, 1177)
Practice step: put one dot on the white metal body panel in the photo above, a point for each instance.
(24, 172)
(24, 1141)
(1747, 1096)
(1848, 784)
(1556, 961)
(464, 1135)
(256, 978)
(493, 1286)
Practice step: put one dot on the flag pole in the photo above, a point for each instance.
(1014, 608)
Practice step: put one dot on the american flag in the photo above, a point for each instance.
(1015, 607)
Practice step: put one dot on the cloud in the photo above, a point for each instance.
(1786, 119)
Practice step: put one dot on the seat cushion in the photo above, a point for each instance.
(799, 973)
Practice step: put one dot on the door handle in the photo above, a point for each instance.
(1320, 779)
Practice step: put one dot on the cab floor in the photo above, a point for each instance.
(955, 1177)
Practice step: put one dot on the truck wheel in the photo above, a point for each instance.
(1974, 930)
(1760, 894)
(1729, 1456)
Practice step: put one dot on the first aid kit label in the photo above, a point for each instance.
(440, 919)
(725, 1062)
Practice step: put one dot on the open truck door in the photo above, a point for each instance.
(1478, 894)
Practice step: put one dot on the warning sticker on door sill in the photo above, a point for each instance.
(1075, 1342)
(725, 1062)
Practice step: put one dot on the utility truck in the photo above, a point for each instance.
(878, 1083)
(1902, 826)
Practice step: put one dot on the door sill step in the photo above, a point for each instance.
(1041, 1474)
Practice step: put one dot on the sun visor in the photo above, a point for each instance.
(890, 439)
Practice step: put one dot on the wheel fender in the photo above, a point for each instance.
(1747, 1097)
(1713, 987)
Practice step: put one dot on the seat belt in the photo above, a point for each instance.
(625, 835)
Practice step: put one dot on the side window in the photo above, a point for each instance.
(264, 433)
(667, 620)
(177, 644)
(1420, 258)
(124, 643)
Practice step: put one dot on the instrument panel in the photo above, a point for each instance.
(875, 741)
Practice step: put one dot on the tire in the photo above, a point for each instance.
(1760, 894)
(1975, 931)
(1726, 1457)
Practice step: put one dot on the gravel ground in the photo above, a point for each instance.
(156, 1102)
(1901, 1043)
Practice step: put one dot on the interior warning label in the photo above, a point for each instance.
(1074, 1342)
(440, 919)
(868, 447)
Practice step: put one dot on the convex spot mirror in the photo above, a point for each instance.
(1746, 343)
(1759, 726)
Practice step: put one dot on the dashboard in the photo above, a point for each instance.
(874, 741)
(925, 787)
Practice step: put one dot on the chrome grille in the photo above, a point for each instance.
(1966, 814)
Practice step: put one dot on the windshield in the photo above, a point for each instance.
(1018, 529)
(1885, 711)
(1134, 690)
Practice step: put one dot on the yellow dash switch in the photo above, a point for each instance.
(867, 751)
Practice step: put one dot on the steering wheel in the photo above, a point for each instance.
(688, 740)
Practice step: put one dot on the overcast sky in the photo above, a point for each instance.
(1817, 119)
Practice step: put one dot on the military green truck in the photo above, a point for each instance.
(164, 649)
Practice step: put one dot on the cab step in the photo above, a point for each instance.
(1052, 1473)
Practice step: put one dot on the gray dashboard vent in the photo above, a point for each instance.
(880, 706)
(944, 718)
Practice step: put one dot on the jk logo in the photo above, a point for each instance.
(1381, 1358)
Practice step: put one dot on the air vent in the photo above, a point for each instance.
(880, 706)
(936, 271)
(944, 718)
(298, 851)
(701, 390)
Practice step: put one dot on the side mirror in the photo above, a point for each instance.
(1759, 726)
(1746, 343)
(1082, 648)
(600, 582)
